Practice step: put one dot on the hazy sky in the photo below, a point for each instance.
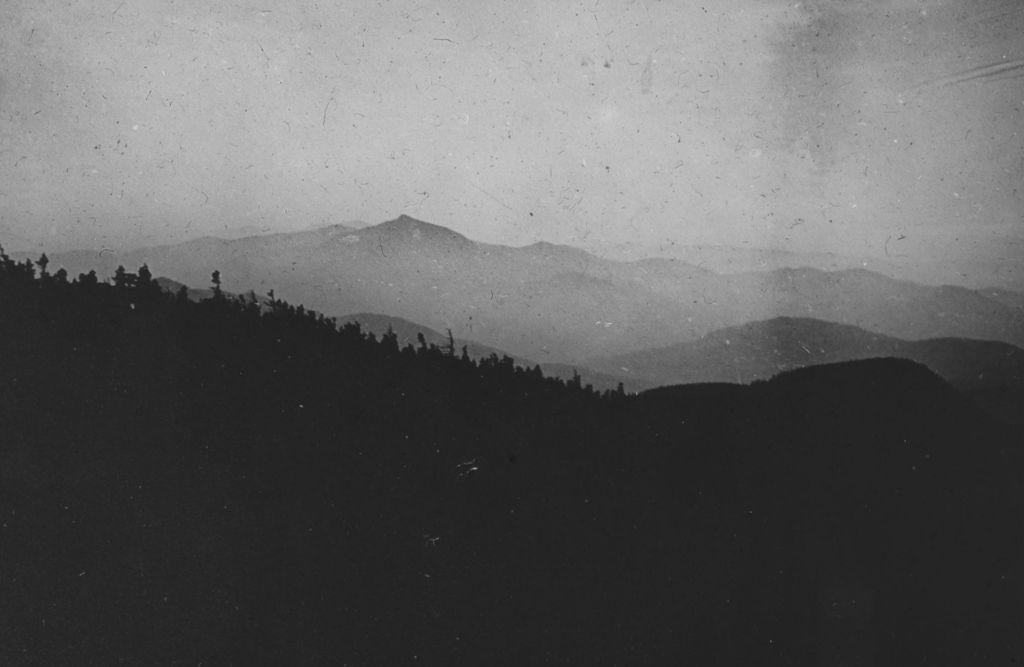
(861, 127)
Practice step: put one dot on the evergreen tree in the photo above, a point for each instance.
(145, 276)
(215, 283)
(389, 340)
(88, 279)
(120, 277)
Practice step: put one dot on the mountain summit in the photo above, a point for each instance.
(409, 229)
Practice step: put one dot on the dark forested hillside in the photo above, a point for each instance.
(224, 483)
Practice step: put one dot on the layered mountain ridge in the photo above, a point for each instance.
(558, 304)
(759, 350)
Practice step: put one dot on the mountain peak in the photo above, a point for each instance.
(411, 229)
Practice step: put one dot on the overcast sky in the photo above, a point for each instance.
(849, 126)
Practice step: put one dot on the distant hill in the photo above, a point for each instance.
(551, 303)
(760, 350)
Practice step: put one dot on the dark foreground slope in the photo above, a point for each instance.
(185, 483)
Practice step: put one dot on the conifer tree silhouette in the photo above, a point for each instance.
(120, 277)
(390, 340)
(215, 283)
(88, 279)
(145, 276)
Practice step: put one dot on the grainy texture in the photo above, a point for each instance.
(873, 130)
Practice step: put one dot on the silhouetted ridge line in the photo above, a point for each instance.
(141, 289)
(886, 367)
(240, 481)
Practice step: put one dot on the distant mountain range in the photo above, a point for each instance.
(991, 372)
(760, 350)
(557, 304)
(732, 259)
